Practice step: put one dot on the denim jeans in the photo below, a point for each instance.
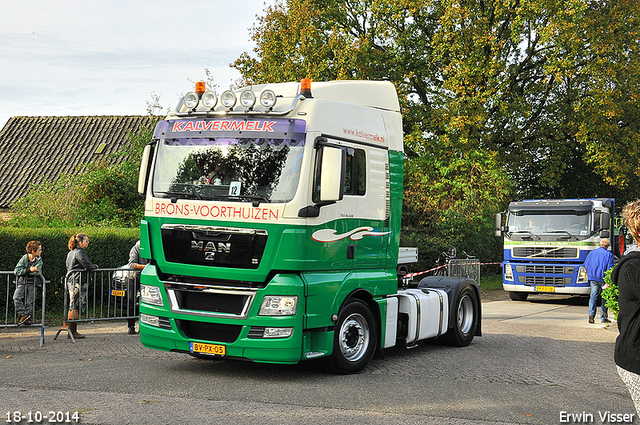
(596, 290)
(23, 298)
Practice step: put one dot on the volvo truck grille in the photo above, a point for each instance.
(544, 252)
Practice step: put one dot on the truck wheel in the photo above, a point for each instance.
(355, 338)
(518, 296)
(464, 317)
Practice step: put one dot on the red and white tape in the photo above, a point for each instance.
(445, 265)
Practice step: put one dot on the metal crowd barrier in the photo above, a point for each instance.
(111, 294)
(10, 317)
(464, 267)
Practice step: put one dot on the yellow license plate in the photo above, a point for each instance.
(545, 288)
(214, 349)
(118, 293)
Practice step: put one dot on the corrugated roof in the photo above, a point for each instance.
(35, 147)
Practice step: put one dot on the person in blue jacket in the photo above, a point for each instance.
(597, 262)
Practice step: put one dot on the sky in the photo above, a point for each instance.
(111, 57)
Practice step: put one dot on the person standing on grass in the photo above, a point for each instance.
(27, 271)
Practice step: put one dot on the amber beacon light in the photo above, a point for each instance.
(305, 87)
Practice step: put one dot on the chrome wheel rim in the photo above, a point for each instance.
(354, 337)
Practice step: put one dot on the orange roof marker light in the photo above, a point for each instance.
(305, 87)
(200, 88)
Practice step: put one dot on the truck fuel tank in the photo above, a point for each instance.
(426, 312)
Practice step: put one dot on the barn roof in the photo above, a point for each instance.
(33, 148)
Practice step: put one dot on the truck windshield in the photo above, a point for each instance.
(258, 169)
(571, 223)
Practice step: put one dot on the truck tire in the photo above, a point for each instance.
(518, 296)
(355, 338)
(464, 317)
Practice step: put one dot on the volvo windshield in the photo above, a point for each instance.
(564, 224)
(239, 166)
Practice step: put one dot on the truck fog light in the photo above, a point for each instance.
(209, 99)
(228, 99)
(582, 275)
(508, 272)
(151, 295)
(247, 99)
(278, 306)
(268, 98)
(191, 100)
(277, 332)
(150, 320)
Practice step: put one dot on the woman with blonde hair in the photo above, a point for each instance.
(78, 267)
(626, 275)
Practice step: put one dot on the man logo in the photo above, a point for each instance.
(210, 248)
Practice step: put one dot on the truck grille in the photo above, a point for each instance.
(214, 332)
(545, 269)
(544, 280)
(209, 301)
(213, 246)
(544, 252)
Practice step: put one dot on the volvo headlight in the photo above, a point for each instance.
(151, 295)
(508, 272)
(278, 306)
(582, 275)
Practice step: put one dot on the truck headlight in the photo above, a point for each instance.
(151, 295)
(273, 305)
(508, 272)
(582, 275)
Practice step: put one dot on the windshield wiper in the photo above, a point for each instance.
(175, 195)
(256, 199)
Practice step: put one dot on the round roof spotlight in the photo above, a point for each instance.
(268, 98)
(209, 99)
(247, 99)
(228, 99)
(191, 100)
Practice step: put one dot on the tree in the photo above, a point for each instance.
(500, 99)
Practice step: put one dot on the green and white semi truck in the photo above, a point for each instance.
(272, 226)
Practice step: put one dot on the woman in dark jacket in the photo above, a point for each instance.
(626, 275)
(78, 281)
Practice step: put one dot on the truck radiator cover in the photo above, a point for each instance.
(545, 252)
(209, 331)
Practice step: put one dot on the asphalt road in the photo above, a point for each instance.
(536, 360)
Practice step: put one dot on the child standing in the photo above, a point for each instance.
(28, 269)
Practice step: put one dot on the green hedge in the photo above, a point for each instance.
(108, 247)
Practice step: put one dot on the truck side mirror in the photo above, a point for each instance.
(605, 221)
(498, 232)
(144, 170)
(333, 164)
